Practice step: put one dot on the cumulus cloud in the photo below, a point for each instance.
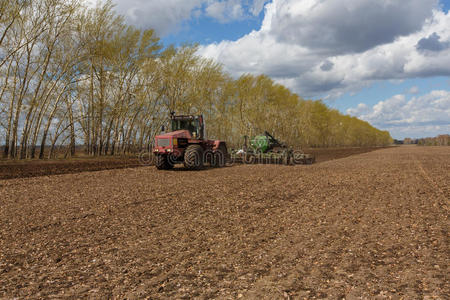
(162, 15)
(342, 26)
(361, 109)
(166, 16)
(327, 66)
(426, 115)
(303, 45)
(432, 43)
(225, 11)
(258, 6)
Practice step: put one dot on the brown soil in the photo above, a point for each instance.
(373, 225)
(324, 154)
(33, 168)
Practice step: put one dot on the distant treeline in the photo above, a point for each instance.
(440, 140)
(71, 74)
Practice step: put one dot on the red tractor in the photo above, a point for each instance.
(186, 143)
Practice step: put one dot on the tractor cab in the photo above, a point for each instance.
(194, 124)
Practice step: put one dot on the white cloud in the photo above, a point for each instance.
(257, 7)
(414, 90)
(427, 115)
(361, 109)
(303, 45)
(225, 11)
(231, 10)
(162, 15)
(167, 16)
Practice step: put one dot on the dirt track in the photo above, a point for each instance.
(374, 224)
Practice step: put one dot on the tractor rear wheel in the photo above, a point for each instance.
(220, 157)
(162, 162)
(193, 157)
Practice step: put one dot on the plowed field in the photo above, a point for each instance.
(368, 225)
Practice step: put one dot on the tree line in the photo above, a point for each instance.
(71, 74)
(440, 140)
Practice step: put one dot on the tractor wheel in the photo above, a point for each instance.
(162, 162)
(193, 157)
(220, 157)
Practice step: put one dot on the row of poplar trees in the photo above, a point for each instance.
(72, 75)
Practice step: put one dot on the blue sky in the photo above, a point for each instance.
(382, 90)
(382, 61)
(206, 30)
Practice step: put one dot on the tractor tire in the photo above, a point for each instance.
(193, 157)
(220, 157)
(162, 162)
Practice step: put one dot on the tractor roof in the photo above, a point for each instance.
(185, 117)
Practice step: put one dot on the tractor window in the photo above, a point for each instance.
(191, 125)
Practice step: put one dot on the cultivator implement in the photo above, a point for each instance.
(265, 149)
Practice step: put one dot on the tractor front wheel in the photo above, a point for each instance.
(193, 157)
(162, 162)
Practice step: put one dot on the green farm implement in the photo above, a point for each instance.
(265, 149)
